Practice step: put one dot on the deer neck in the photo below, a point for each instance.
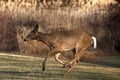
(45, 39)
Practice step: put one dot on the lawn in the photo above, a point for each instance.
(17, 67)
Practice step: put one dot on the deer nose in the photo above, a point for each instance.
(25, 40)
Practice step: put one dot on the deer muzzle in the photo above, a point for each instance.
(25, 39)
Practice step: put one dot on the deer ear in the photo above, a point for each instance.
(36, 27)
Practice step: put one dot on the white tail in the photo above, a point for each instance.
(94, 42)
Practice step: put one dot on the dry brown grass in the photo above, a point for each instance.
(93, 18)
(8, 41)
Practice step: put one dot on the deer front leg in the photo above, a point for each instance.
(48, 54)
(44, 62)
(56, 56)
(56, 53)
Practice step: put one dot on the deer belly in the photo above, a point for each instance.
(66, 45)
(67, 48)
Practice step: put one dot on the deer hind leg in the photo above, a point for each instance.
(56, 56)
(73, 63)
(76, 59)
(70, 62)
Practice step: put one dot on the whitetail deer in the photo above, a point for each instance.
(61, 41)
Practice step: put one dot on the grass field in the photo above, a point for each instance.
(16, 67)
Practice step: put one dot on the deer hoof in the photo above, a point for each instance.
(66, 65)
(43, 69)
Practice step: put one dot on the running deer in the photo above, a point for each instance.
(60, 41)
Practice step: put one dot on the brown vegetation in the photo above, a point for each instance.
(8, 40)
(98, 17)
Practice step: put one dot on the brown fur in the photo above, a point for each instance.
(61, 41)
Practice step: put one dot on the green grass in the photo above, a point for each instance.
(29, 68)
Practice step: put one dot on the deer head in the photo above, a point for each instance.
(33, 34)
